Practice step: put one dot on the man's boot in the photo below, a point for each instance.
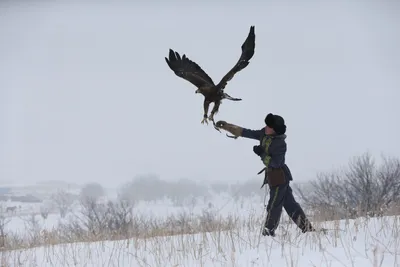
(267, 232)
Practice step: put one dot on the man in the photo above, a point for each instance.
(272, 151)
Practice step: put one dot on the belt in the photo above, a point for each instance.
(270, 169)
(262, 170)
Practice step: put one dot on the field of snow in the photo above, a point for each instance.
(360, 242)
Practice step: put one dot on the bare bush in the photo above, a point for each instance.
(101, 220)
(63, 201)
(120, 217)
(361, 189)
(33, 230)
(94, 216)
(4, 220)
(44, 212)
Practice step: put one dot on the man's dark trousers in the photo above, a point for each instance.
(281, 196)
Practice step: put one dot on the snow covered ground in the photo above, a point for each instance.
(360, 242)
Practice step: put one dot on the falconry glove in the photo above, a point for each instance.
(232, 128)
(258, 150)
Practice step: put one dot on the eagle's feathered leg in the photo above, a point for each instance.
(213, 112)
(206, 105)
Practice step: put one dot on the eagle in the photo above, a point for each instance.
(189, 70)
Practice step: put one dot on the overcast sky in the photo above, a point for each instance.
(86, 94)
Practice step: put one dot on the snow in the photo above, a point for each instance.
(360, 242)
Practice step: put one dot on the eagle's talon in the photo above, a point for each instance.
(232, 136)
(204, 121)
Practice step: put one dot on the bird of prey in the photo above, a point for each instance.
(213, 93)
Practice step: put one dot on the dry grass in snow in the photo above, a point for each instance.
(360, 242)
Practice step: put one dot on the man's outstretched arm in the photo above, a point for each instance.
(239, 131)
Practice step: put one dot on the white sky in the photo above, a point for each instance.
(86, 95)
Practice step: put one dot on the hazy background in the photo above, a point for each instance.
(86, 95)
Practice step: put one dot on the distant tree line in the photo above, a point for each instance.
(151, 188)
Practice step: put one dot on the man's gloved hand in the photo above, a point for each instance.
(221, 124)
(232, 128)
(258, 150)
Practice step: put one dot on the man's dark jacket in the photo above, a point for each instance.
(274, 147)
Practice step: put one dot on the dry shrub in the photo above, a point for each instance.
(362, 189)
(115, 221)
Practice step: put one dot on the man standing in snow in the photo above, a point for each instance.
(272, 151)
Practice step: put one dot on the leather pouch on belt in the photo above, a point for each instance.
(276, 177)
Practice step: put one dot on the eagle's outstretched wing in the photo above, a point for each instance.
(188, 70)
(247, 53)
